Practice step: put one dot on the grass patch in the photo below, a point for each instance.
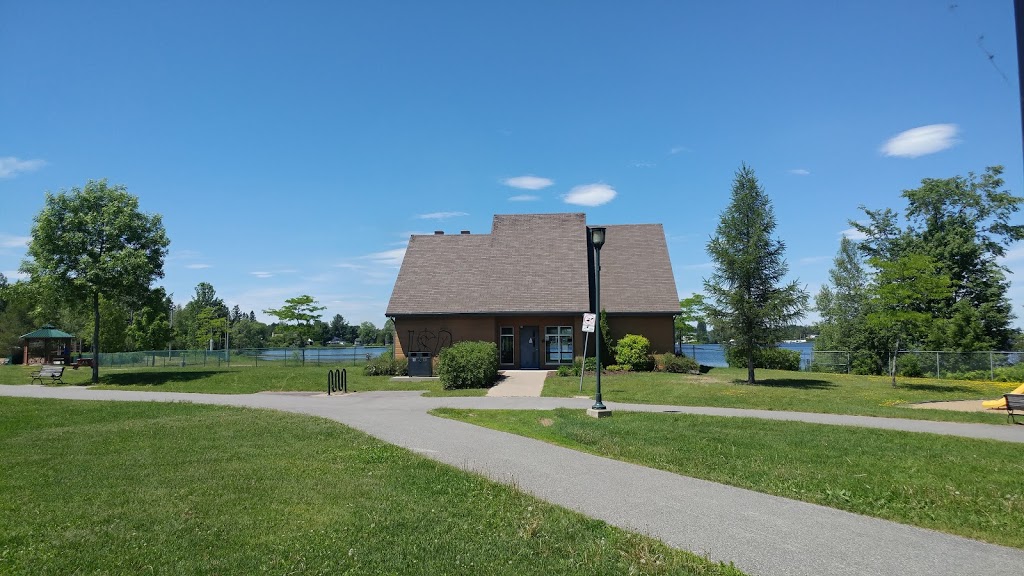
(232, 380)
(795, 391)
(128, 488)
(958, 485)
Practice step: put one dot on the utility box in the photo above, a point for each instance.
(420, 364)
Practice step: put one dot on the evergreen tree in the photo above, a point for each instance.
(748, 302)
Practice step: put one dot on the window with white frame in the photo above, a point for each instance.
(508, 347)
(558, 344)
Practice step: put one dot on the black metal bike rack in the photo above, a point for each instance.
(337, 381)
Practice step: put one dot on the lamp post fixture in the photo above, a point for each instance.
(597, 239)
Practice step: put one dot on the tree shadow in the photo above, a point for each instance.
(798, 383)
(935, 387)
(154, 378)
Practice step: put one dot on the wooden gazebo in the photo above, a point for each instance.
(56, 344)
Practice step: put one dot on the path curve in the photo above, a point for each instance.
(761, 534)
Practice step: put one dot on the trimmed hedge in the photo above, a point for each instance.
(634, 351)
(468, 365)
(386, 365)
(768, 358)
(679, 364)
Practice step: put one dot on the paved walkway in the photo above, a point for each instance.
(526, 383)
(761, 534)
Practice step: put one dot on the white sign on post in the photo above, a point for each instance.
(589, 320)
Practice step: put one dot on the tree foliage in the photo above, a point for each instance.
(691, 310)
(297, 317)
(749, 302)
(93, 242)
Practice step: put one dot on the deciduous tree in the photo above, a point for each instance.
(94, 242)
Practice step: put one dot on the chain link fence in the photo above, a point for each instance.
(990, 365)
(240, 357)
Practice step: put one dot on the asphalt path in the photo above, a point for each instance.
(761, 534)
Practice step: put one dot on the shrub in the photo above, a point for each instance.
(617, 368)
(468, 365)
(590, 364)
(566, 371)
(634, 351)
(678, 364)
(386, 365)
(768, 358)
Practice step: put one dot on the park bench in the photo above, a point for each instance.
(1014, 402)
(51, 371)
(87, 362)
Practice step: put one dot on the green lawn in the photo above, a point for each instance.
(130, 488)
(957, 485)
(797, 391)
(233, 380)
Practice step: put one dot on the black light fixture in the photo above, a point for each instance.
(597, 239)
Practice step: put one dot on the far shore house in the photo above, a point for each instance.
(526, 285)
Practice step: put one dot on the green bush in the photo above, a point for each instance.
(566, 371)
(768, 358)
(634, 351)
(590, 364)
(616, 368)
(678, 364)
(386, 365)
(468, 365)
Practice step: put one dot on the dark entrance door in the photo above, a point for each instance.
(529, 348)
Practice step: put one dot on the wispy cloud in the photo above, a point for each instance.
(643, 164)
(440, 215)
(921, 140)
(528, 182)
(800, 171)
(677, 149)
(523, 198)
(262, 274)
(854, 234)
(814, 259)
(7, 241)
(14, 275)
(590, 195)
(11, 166)
(388, 257)
(1013, 255)
(198, 266)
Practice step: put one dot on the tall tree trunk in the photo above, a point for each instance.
(95, 337)
(750, 367)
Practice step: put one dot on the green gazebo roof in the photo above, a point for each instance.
(47, 331)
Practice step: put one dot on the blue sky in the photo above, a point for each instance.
(293, 147)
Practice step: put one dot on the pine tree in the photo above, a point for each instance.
(748, 302)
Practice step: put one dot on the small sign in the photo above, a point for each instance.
(589, 320)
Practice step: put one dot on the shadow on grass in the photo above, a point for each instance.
(935, 387)
(798, 383)
(154, 378)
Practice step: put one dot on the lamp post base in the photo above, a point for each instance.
(602, 413)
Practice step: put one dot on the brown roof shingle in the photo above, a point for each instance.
(534, 263)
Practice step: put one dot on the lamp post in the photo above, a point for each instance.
(597, 239)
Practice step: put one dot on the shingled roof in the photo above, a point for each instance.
(534, 263)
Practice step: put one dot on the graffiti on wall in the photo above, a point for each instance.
(430, 341)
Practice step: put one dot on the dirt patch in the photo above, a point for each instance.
(956, 406)
(546, 422)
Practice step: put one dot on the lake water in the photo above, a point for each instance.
(714, 354)
(326, 355)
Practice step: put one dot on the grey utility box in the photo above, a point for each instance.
(419, 364)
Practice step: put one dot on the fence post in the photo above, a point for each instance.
(991, 367)
(848, 360)
(937, 365)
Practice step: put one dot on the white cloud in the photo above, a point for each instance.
(643, 164)
(854, 234)
(14, 275)
(800, 171)
(349, 266)
(197, 266)
(1013, 255)
(921, 140)
(440, 215)
(528, 182)
(814, 259)
(590, 195)
(11, 166)
(14, 241)
(677, 149)
(262, 274)
(388, 257)
(523, 198)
